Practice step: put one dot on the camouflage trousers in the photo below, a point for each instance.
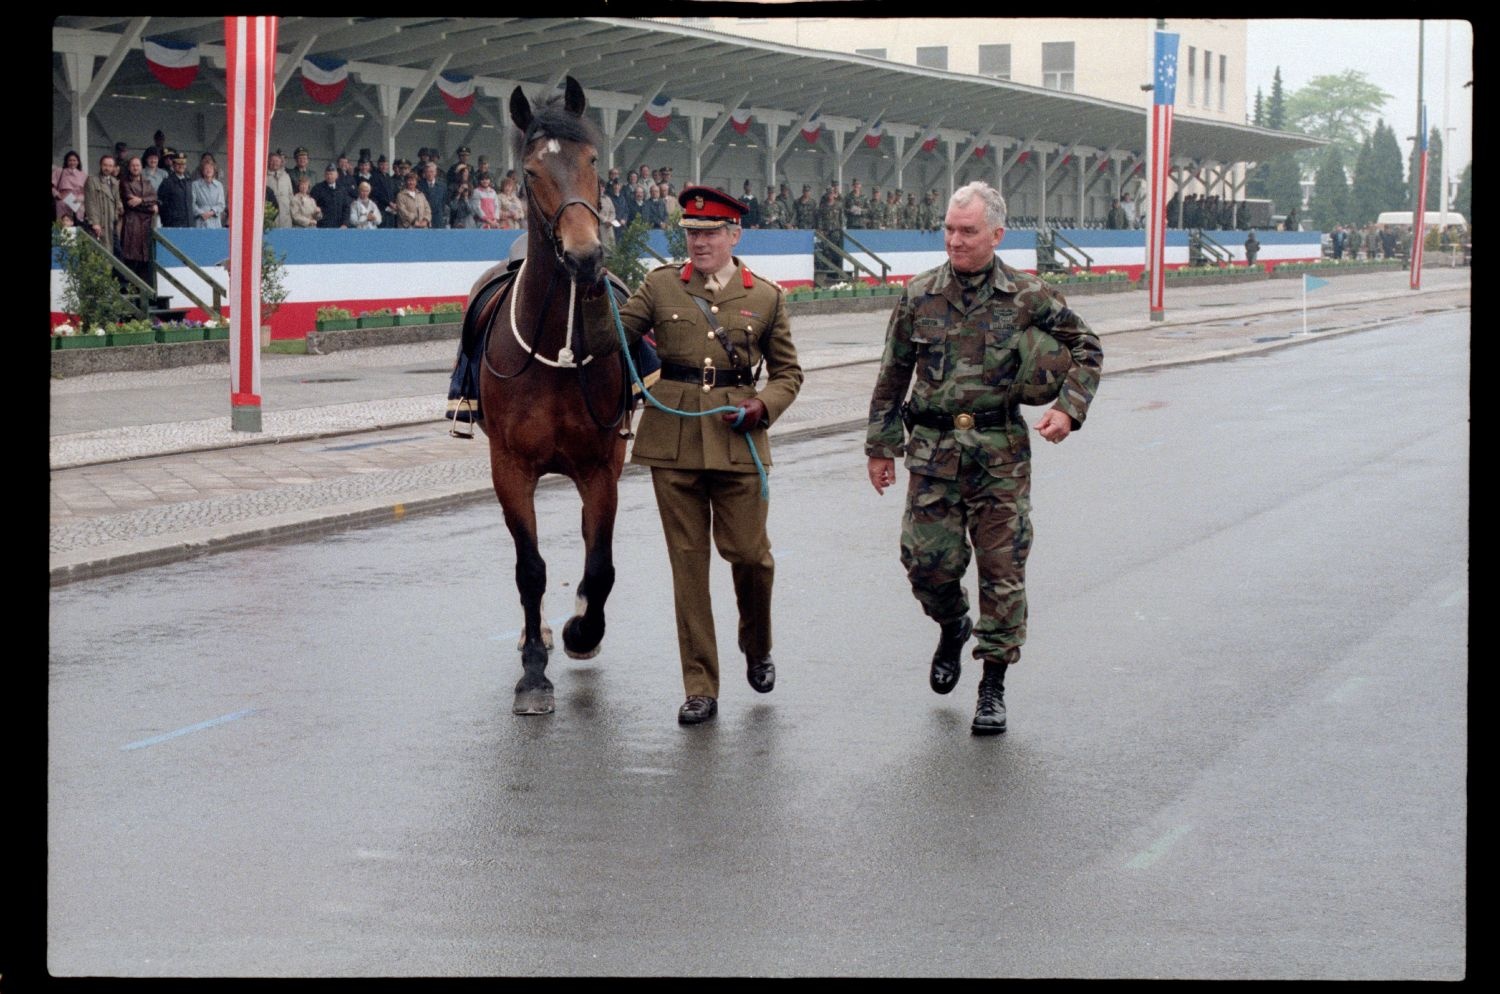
(943, 521)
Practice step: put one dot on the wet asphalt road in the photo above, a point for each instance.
(1237, 742)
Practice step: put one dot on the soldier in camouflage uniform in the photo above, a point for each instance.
(875, 218)
(830, 223)
(930, 216)
(957, 327)
(805, 209)
(911, 212)
(857, 208)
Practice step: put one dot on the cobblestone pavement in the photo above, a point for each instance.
(356, 437)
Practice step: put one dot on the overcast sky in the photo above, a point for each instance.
(1386, 52)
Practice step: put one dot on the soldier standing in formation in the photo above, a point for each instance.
(875, 217)
(959, 329)
(716, 324)
(930, 216)
(806, 209)
(830, 222)
(856, 208)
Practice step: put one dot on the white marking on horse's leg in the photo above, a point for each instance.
(546, 628)
(580, 605)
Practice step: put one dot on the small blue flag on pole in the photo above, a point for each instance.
(1312, 282)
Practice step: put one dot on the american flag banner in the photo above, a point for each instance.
(250, 50)
(1163, 96)
(1419, 216)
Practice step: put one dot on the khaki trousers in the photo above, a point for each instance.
(693, 504)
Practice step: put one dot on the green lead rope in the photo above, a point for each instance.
(739, 412)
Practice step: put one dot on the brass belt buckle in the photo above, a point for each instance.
(964, 421)
(710, 374)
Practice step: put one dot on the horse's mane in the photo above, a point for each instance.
(550, 119)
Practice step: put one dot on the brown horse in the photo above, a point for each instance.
(548, 407)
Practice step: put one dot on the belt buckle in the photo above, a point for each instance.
(710, 376)
(964, 421)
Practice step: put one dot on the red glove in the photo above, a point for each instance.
(755, 415)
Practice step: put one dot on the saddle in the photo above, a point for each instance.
(463, 385)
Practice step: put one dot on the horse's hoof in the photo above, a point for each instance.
(533, 702)
(574, 644)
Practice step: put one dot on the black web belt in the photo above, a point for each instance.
(943, 421)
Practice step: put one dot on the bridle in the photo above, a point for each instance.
(549, 225)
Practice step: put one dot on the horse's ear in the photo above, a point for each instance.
(573, 99)
(520, 110)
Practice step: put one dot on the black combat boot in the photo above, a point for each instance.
(989, 715)
(945, 661)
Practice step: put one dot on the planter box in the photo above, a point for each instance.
(341, 324)
(165, 335)
(216, 334)
(378, 321)
(447, 317)
(406, 320)
(131, 338)
(82, 341)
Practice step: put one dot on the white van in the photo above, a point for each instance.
(1432, 219)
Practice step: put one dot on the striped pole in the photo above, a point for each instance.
(1163, 97)
(1419, 216)
(250, 49)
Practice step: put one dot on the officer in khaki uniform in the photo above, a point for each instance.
(716, 324)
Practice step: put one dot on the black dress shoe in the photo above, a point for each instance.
(697, 709)
(945, 661)
(989, 715)
(761, 673)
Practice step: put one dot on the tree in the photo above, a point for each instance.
(1284, 182)
(1362, 205)
(1434, 172)
(1259, 117)
(624, 260)
(1387, 185)
(1329, 205)
(1276, 109)
(1337, 108)
(1463, 199)
(90, 291)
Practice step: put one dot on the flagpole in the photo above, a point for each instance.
(1159, 152)
(1419, 209)
(1304, 303)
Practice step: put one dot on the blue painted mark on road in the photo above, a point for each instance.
(1154, 443)
(210, 723)
(516, 632)
(370, 445)
(1456, 598)
(1157, 849)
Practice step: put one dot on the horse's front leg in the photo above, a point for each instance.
(584, 632)
(517, 495)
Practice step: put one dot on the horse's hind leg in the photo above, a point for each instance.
(584, 632)
(534, 690)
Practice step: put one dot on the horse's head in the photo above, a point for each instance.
(558, 147)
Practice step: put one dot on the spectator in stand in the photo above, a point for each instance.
(460, 210)
(638, 207)
(174, 198)
(669, 201)
(753, 215)
(1128, 206)
(436, 192)
(1116, 220)
(159, 144)
(209, 205)
(332, 199)
(462, 163)
(380, 190)
(279, 185)
(138, 197)
(102, 209)
(305, 210)
(363, 214)
(483, 169)
(606, 219)
(387, 184)
(512, 209)
(122, 150)
(412, 207)
(346, 177)
(615, 192)
(154, 173)
(68, 181)
(485, 203)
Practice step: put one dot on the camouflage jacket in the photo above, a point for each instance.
(857, 211)
(966, 362)
(929, 216)
(805, 212)
(909, 215)
(830, 216)
(878, 214)
(776, 214)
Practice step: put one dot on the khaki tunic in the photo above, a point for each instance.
(707, 491)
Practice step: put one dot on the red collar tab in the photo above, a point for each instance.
(687, 272)
(746, 276)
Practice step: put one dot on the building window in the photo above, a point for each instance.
(1208, 78)
(932, 56)
(874, 53)
(1223, 72)
(1192, 75)
(994, 60)
(1057, 65)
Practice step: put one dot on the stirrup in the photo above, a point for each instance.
(453, 431)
